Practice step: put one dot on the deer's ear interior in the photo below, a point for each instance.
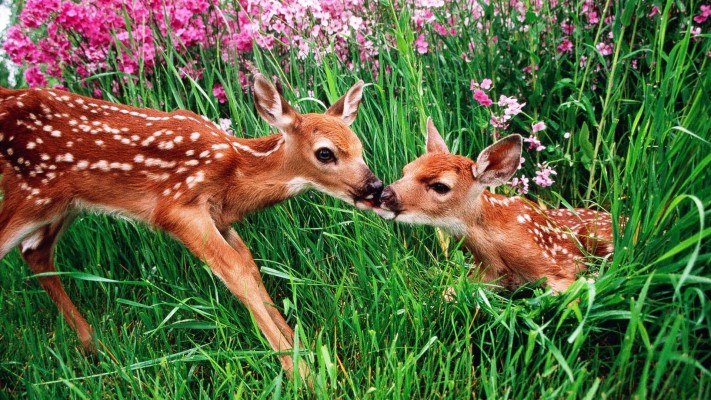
(346, 108)
(497, 163)
(272, 106)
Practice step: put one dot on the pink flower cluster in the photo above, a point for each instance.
(508, 107)
(705, 12)
(543, 175)
(56, 40)
(60, 38)
(499, 119)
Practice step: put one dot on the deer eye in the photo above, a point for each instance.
(325, 155)
(440, 188)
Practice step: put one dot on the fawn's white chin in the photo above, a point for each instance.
(364, 204)
(383, 213)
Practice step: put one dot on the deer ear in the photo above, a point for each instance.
(272, 106)
(346, 108)
(498, 162)
(434, 142)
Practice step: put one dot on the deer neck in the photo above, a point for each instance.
(261, 175)
(486, 226)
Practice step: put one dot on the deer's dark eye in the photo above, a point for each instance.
(325, 155)
(440, 188)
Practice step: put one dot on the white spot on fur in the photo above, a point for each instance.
(255, 153)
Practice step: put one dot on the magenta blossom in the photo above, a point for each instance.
(482, 98)
(421, 44)
(35, 77)
(566, 46)
(604, 48)
(219, 92)
(705, 13)
(513, 107)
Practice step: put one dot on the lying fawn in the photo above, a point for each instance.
(512, 239)
(62, 154)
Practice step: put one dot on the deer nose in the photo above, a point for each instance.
(374, 187)
(388, 197)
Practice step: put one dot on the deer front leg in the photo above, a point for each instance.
(196, 229)
(236, 242)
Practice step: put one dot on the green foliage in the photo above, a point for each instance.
(365, 295)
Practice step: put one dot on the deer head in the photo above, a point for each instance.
(321, 149)
(442, 189)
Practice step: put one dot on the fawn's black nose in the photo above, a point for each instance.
(374, 187)
(388, 198)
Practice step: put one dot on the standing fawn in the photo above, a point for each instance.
(512, 239)
(62, 154)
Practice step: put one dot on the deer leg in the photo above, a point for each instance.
(38, 251)
(236, 242)
(196, 229)
(560, 285)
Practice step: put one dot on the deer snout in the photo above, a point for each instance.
(389, 200)
(374, 188)
(368, 196)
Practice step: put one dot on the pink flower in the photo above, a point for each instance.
(219, 92)
(655, 11)
(35, 77)
(566, 46)
(421, 44)
(498, 122)
(705, 13)
(534, 143)
(441, 29)
(482, 98)
(543, 176)
(567, 28)
(226, 125)
(486, 84)
(604, 48)
(538, 126)
(521, 184)
(513, 107)
(19, 46)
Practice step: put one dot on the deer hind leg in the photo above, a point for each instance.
(38, 251)
(560, 284)
(16, 222)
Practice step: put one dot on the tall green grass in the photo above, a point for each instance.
(365, 295)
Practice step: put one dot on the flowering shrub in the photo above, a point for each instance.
(65, 41)
(77, 38)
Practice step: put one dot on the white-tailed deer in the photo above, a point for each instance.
(62, 154)
(512, 239)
